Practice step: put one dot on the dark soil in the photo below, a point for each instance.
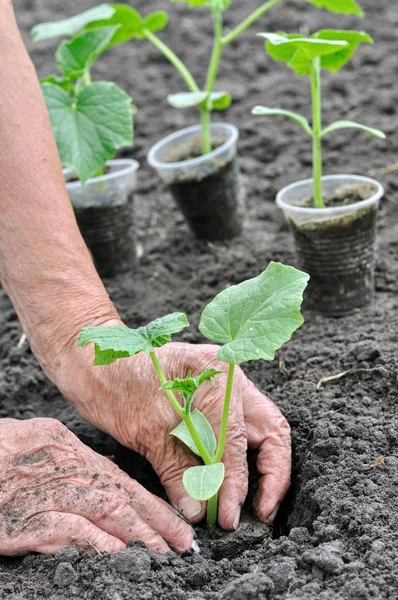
(336, 537)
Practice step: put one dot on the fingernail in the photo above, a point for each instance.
(195, 547)
(189, 507)
(235, 524)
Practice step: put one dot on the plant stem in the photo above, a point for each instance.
(224, 421)
(205, 126)
(173, 59)
(227, 39)
(317, 131)
(178, 408)
(212, 507)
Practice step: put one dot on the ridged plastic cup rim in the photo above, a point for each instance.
(159, 165)
(331, 210)
(131, 167)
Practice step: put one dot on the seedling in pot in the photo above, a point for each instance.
(251, 321)
(327, 49)
(90, 120)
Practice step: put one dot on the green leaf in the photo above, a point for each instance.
(220, 100)
(253, 319)
(131, 23)
(353, 125)
(76, 56)
(202, 483)
(90, 128)
(159, 332)
(63, 83)
(337, 60)
(72, 25)
(344, 7)
(204, 430)
(189, 385)
(187, 99)
(267, 112)
(213, 4)
(118, 341)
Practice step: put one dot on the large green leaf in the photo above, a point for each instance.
(353, 125)
(76, 56)
(131, 23)
(90, 128)
(334, 62)
(72, 25)
(202, 483)
(345, 7)
(264, 111)
(253, 319)
(118, 341)
(204, 430)
(214, 4)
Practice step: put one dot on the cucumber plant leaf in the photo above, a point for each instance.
(189, 385)
(91, 126)
(72, 25)
(253, 319)
(213, 4)
(111, 343)
(334, 62)
(76, 56)
(268, 112)
(344, 7)
(213, 100)
(202, 483)
(131, 23)
(204, 430)
(353, 125)
(62, 82)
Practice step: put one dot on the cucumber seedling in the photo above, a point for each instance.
(251, 321)
(327, 49)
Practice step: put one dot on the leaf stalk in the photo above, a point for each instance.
(252, 18)
(317, 131)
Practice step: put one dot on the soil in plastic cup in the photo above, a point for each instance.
(207, 188)
(104, 212)
(335, 245)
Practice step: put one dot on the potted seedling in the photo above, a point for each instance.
(90, 121)
(199, 163)
(250, 321)
(333, 217)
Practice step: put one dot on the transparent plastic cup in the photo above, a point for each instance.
(207, 188)
(335, 245)
(104, 211)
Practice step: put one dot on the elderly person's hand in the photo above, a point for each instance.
(124, 400)
(56, 492)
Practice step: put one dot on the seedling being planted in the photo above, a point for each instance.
(251, 321)
(327, 49)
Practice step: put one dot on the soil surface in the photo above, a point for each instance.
(336, 536)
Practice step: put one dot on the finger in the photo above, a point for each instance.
(110, 512)
(49, 532)
(269, 432)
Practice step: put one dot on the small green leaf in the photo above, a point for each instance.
(267, 112)
(76, 56)
(344, 7)
(187, 99)
(202, 483)
(90, 128)
(353, 125)
(337, 60)
(253, 319)
(114, 342)
(189, 385)
(220, 100)
(159, 332)
(156, 21)
(63, 83)
(214, 4)
(204, 430)
(71, 26)
(131, 23)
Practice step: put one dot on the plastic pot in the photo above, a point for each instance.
(207, 189)
(104, 212)
(335, 245)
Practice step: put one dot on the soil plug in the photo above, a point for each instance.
(333, 218)
(251, 320)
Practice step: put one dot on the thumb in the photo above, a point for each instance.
(170, 465)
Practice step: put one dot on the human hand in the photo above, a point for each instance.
(124, 399)
(57, 492)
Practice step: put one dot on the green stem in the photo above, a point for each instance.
(173, 59)
(227, 39)
(178, 408)
(224, 421)
(317, 131)
(205, 127)
(212, 507)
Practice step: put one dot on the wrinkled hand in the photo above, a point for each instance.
(56, 492)
(124, 399)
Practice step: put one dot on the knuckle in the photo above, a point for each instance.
(55, 427)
